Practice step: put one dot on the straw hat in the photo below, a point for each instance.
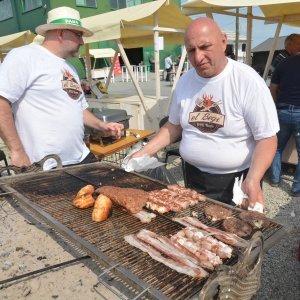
(63, 18)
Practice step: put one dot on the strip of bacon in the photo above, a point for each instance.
(152, 239)
(223, 236)
(195, 272)
(203, 239)
(205, 258)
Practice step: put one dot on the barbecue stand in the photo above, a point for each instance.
(49, 196)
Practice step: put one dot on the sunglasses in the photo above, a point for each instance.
(77, 33)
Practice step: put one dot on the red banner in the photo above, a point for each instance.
(117, 67)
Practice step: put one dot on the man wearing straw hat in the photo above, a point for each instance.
(42, 106)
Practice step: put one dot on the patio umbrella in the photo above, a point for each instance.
(14, 40)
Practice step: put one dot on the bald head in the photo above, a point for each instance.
(206, 44)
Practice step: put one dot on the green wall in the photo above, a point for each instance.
(31, 19)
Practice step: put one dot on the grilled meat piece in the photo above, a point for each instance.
(131, 199)
(237, 226)
(256, 219)
(216, 212)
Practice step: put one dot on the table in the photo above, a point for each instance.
(124, 143)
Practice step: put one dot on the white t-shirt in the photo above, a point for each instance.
(222, 117)
(47, 102)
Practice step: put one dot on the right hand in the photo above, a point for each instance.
(138, 153)
(20, 159)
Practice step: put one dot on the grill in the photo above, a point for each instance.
(50, 194)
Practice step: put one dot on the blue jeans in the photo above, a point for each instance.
(289, 120)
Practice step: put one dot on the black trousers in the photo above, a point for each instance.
(90, 158)
(215, 186)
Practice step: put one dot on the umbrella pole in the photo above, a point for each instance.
(133, 78)
(271, 53)
(156, 58)
(249, 36)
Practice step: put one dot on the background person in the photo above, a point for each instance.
(168, 66)
(226, 129)
(285, 89)
(291, 48)
(42, 106)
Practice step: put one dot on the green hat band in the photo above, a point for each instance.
(67, 21)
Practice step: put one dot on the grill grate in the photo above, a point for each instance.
(54, 192)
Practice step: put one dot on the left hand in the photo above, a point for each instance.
(114, 129)
(253, 189)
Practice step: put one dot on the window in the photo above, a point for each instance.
(87, 3)
(5, 10)
(31, 4)
(118, 4)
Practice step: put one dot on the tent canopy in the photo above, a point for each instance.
(102, 53)
(273, 10)
(14, 40)
(134, 25)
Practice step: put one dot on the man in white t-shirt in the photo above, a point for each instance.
(42, 106)
(225, 116)
(168, 66)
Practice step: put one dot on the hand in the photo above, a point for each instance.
(253, 189)
(19, 159)
(114, 129)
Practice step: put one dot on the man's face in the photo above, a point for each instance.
(72, 42)
(294, 46)
(205, 49)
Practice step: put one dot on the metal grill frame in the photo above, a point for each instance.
(141, 286)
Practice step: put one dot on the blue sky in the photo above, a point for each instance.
(261, 31)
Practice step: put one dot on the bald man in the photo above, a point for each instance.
(226, 117)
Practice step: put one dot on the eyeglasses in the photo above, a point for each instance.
(77, 33)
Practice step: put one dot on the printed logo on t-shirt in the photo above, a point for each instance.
(207, 115)
(70, 85)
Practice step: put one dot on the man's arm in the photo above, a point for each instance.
(108, 128)
(274, 89)
(167, 135)
(261, 160)
(9, 135)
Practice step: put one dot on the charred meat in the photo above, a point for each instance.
(237, 226)
(256, 219)
(217, 212)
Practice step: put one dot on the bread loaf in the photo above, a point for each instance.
(88, 189)
(84, 201)
(102, 208)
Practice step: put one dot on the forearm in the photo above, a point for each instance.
(8, 130)
(167, 135)
(91, 121)
(262, 158)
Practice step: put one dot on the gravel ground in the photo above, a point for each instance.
(280, 271)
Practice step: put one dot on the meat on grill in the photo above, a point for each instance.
(216, 212)
(131, 199)
(205, 240)
(173, 198)
(226, 237)
(144, 216)
(237, 226)
(256, 219)
(196, 272)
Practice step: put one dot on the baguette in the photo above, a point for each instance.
(102, 208)
(88, 189)
(84, 201)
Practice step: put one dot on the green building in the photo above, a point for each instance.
(21, 15)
